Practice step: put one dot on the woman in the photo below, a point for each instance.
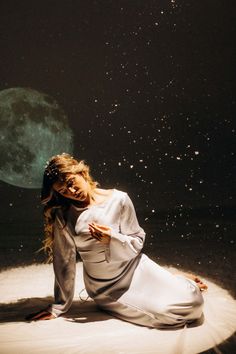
(102, 226)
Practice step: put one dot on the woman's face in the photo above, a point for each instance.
(76, 188)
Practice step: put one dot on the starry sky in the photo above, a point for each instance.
(148, 87)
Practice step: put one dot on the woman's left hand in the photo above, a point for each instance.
(101, 233)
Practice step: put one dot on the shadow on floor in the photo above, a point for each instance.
(79, 312)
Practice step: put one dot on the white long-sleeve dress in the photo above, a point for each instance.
(117, 276)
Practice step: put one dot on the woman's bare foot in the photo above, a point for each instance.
(202, 286)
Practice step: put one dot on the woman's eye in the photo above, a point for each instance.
(62, 191)
(70, 183)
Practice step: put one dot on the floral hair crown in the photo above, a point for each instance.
(52, 172)
(51, 169)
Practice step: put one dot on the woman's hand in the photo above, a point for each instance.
(101, 233)
(40, 316)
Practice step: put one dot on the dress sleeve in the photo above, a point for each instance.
(64, 264)
(127, 243)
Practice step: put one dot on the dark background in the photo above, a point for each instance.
(149, 91)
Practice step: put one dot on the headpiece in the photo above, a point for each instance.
(51, 171)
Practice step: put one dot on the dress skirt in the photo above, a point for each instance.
(155, 298)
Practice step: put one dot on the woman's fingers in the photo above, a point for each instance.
(39, 316)
(95, 233)
(48, 316)
(100, 232)
(103, 227)
(99, 227)
(92, 229)
(35, 315)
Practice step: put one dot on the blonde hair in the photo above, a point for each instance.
(59, 168)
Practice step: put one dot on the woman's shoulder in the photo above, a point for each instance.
(103, 196)
(110, 192)
(113, 195)
(122, 196)
(119, 193)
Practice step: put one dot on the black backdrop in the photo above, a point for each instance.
(149, 91)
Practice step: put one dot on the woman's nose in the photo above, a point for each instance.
(72, 189)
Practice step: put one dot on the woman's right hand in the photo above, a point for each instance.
(40, 316)
(102, 233)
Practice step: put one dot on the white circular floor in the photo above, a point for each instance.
(85, 330)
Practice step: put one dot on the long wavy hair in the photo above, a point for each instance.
(59, 168)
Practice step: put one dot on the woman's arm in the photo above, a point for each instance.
(128, 242)
(64, 264)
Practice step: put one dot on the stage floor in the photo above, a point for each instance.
(86, 330)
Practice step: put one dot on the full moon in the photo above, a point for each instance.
(33, 128)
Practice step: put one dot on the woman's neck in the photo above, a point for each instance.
(96, 197)
(100, 195)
